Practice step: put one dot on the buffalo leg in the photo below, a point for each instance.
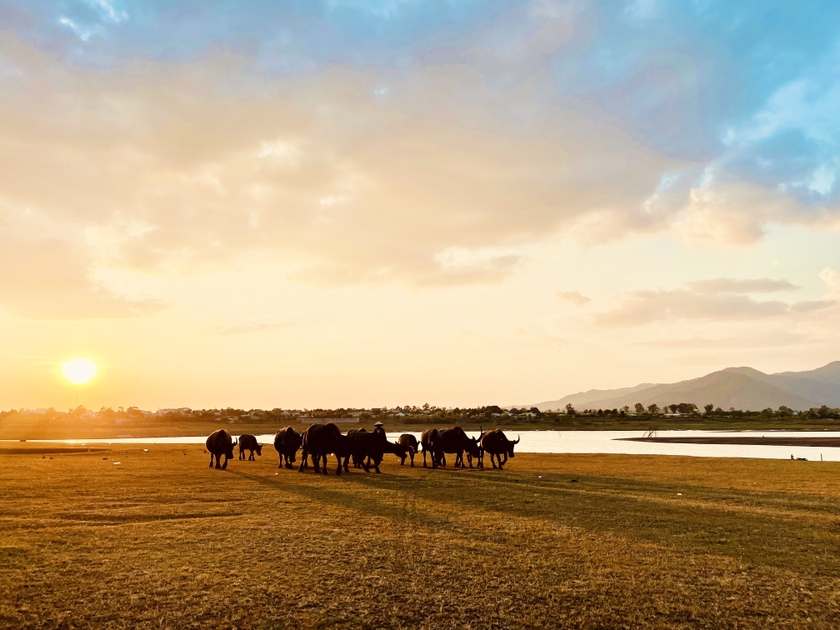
(211, 460)
(424, 458)
(412, 459)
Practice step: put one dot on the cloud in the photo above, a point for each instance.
(482, 143)
(714, 300)
(47, 279)
(832, 281)
(637, 308)
(731, 285)
(46, 272)
(313, 171)
(575, 297)
(774, 338)
(811, 305)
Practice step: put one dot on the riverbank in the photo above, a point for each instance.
(18, 429)
(810, 441)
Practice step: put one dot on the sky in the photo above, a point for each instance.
(391, 202)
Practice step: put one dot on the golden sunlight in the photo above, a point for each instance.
(79, 371)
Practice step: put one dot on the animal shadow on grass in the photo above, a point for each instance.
(399, 511)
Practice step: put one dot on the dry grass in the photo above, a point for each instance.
(162, 541)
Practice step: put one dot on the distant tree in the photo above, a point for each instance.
(673, 407)
(718, 410)
(784, 412)
(653, 409)
(709, 409)
(687, 408)
(570, 409)
(640, 408)
(625, 409)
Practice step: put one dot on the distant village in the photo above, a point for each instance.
(403, 415)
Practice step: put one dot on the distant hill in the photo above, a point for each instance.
(738, 387)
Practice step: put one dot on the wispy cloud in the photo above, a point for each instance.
(575, 297)
(719, 300)
(731, 285)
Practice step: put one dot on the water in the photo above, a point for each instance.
(592, 442)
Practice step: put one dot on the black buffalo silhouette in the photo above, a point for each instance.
(287, 442)
(497, 444)
(248, 442)
(454, 440)
(220, 443)
(411, 446)
(319, 440)
(430, 441)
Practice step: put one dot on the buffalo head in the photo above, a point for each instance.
(473, 447)
(511, 444)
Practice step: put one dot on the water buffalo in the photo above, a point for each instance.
(319, 440)
(286, 443)
(430, 440)
(454, 440)
(220, 443)
(357, 463)
(369, 448)
(411, 446)
(248, 442)
(496, 443)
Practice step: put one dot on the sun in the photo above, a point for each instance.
(79, 371)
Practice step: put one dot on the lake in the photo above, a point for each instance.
(592, 442)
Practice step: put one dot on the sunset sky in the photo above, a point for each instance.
(389, 202)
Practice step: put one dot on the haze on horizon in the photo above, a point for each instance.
(390, 202)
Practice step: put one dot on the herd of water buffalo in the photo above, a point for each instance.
(366, 449)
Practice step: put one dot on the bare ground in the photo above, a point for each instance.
(574, 541)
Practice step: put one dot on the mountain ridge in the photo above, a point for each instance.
(733, 387)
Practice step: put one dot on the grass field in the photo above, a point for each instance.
(574, 541)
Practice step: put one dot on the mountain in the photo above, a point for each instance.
(738, 387)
